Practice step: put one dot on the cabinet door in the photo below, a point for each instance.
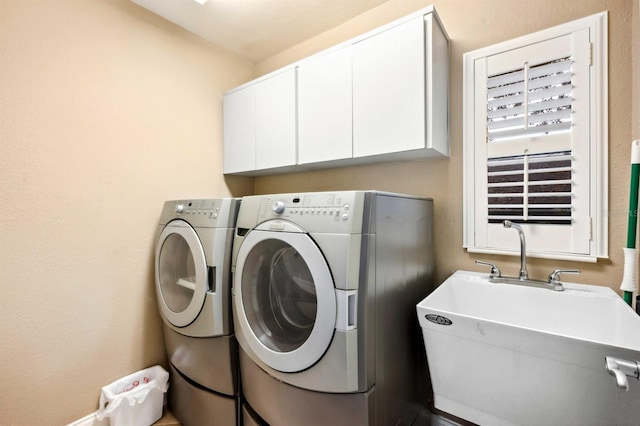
(239, 111)
(324, 108)
(389, 91)
(276, 121)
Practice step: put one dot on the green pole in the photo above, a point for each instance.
(633, 206)
(632, 225)
(633, 218)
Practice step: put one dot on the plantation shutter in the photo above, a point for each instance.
(534, 158)
(535, 143)
(534, 189)
(533, 100)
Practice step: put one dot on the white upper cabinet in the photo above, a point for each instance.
(389, 91)
(324, 108)
(260, 125)
(239, 121)
(382, 96)
(276, 121)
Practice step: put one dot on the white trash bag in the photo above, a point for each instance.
(136, 399)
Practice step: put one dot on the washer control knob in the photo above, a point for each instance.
(179, 208)
(278, 207)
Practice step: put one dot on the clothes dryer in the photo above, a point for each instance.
(193, 287)
(324, 289)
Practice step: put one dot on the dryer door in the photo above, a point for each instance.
(284, 299)
(181, 273)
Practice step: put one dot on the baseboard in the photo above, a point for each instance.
(90, 420)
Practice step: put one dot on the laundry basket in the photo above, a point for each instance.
(136, 399)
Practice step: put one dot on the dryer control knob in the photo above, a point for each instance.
(180, 208)
(278, 207)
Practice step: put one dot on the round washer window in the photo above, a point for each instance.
(285, 299)
(279, 295)
(177, 273)
(181, 273)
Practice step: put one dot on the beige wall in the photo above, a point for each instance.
(106, 111)
(472, 24)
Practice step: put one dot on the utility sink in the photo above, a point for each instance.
(506, 354)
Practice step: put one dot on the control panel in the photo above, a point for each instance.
(329, 205)
(202, 212)
(205, 208)
(316, 211)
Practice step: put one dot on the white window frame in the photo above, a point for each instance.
(596, 156)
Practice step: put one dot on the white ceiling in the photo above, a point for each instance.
(257, 29)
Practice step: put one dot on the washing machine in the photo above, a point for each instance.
(193, 287)
(324, 288)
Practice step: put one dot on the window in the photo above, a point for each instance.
(535, 143)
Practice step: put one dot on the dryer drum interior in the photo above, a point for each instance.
(285, 299)
(280, 296)
(177, 273)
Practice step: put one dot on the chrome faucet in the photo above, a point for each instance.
(552, 282)
(524, 275)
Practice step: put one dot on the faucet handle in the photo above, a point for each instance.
(554, 277)
(621, 368)
(495, 271)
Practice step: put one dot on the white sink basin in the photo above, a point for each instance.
(505, 354)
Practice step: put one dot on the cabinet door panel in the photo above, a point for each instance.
(324, 108)
(389, 91)
(239, 111)
(276, 121)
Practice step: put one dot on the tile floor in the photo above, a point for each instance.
(167, 419)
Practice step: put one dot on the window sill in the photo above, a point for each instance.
(540, 255)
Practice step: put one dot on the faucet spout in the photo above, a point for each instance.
(523, 275)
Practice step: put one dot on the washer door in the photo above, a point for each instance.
(181, 273)
(285, 299)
